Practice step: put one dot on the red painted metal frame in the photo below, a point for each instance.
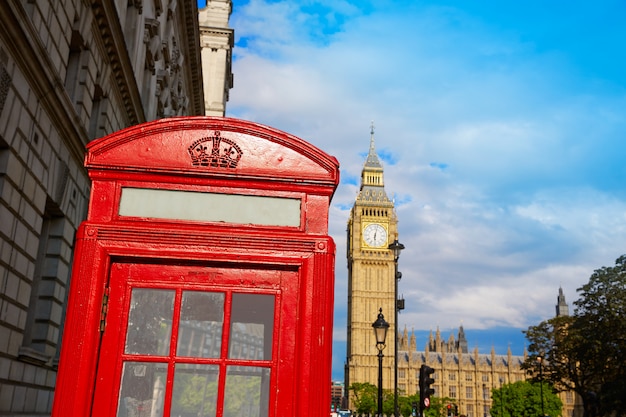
(261, 161)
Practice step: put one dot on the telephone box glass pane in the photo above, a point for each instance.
(195, 390)
(252, 327)
(200, 326)
(247, 391)
(150, 322)
(142, 391)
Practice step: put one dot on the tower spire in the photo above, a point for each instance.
(562, 309)
(372, 161)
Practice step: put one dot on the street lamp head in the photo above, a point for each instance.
(396, 247)
(380, 330)
(541, 356)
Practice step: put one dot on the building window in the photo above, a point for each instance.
(76, 73)
(49, 289)
(469, 393)
(5, 84)
(468, 376)
(97, 121)
(451, 377)
(452, 391)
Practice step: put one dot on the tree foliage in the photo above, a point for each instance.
(365, 401)
(602, 312)
(525, 399)
(556, 344)
(585, 352)
(405, 403)
(365, 397)
(438, 406)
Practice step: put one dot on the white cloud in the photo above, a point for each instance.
(507, 153)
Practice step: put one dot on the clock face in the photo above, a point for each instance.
(375, 235)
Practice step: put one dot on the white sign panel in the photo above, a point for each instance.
(210, 207)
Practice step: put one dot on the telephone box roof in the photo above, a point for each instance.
(212, 147)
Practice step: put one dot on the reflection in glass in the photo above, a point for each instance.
(201, 320)
(143, 386)
(200, 332)
(246, 393)
(195, 390)
(252, 327)
(150, 321)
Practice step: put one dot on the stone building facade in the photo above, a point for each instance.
(71, 71)
(466, 378)
(216, 43)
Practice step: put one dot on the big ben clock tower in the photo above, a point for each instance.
(372, 226)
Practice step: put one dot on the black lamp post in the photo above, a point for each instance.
(396, 247)
(502, 396)
(540, 360)
(380, 331)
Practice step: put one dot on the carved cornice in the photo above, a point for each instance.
(190, 44)
(226, 33)
(106, 18)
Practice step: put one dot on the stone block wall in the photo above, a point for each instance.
(70, 71)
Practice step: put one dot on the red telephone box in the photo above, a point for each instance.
(203, 276)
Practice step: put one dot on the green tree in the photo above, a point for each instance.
(585, 352)
(405, 404)
(525, 399)
(365, 397)
(388, 402)
(438, 406)
(601, 323)
(554, 353)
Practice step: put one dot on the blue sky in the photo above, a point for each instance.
(501, 127)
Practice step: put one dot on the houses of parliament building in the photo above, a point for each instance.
(466, 378)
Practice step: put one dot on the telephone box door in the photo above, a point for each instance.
(186, 341)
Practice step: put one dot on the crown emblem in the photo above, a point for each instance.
(215, 152)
